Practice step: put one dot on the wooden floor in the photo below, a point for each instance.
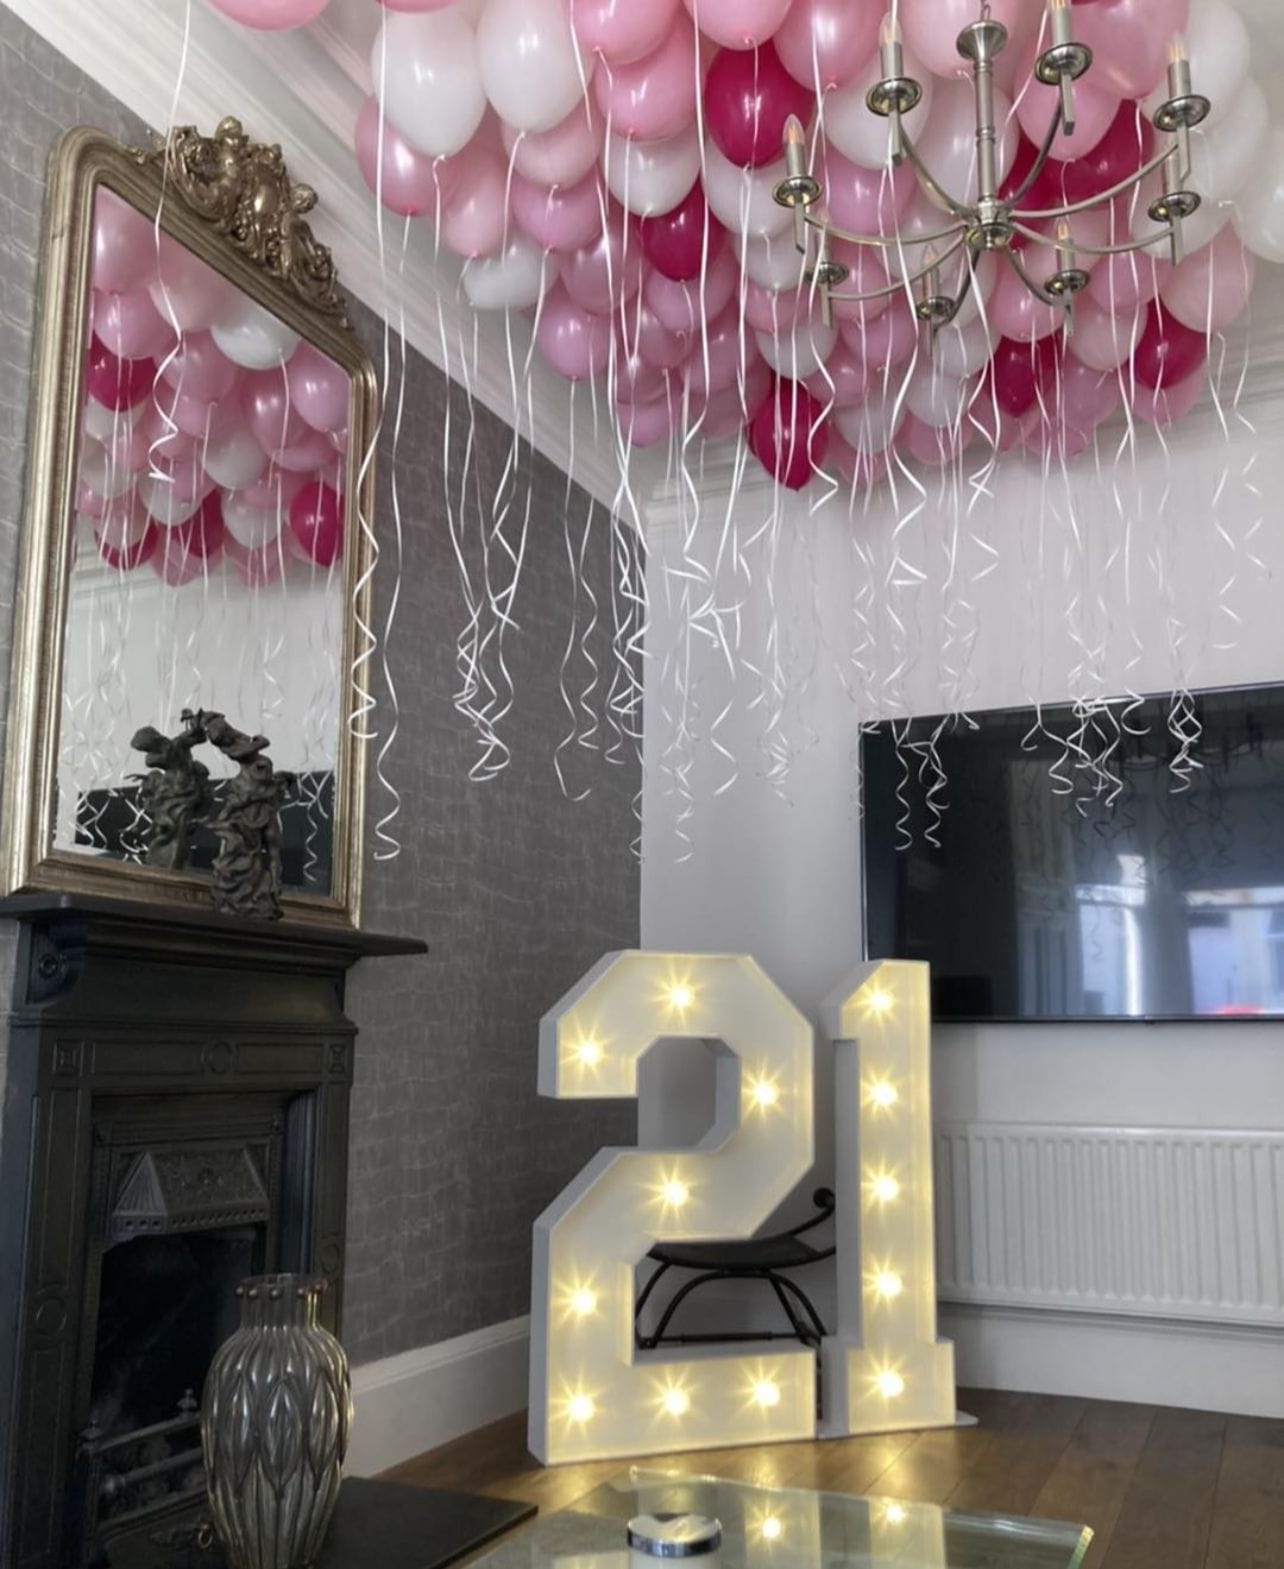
(1162, 1488)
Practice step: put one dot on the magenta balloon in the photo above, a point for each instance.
(1127, 143)
(572, 340)
(558, 217)
(606, 274)
(129, 326)
(931, 27)
(271, 15)
(1168, 351)
(654, 341)
(473, 222)
(200, 369)
(622, 30)
(789, 434)
(115, 382)
(124, 245)
(737, 24)
(131, 556)
(824, 43)
(316, 521)
(885, 342)
(748, 96)
(410, 179)
(265, 400)
(1209, 289)
(559, 156)
(865, 201)
(1163, 405)
(318, 388)
(842, 379)
(679, 243)
(1129, 41)
(683, 306)
(654, 97)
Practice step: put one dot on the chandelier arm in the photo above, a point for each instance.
(887, 242)
(902, 284)
(969, 276)
(1036, 289)
(926, 180)
(1102, 196)
(1069, 242)
(1041, 158)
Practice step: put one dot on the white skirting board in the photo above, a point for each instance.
(1210, 1367)
(413, 1402)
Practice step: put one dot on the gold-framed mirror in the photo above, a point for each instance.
(197, 532)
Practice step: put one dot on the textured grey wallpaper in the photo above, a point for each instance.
(516, 889)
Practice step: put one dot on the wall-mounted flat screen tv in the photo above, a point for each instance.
(1124, 860)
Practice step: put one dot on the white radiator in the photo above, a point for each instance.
(1175, 1222)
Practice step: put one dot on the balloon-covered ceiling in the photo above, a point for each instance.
(610, 167)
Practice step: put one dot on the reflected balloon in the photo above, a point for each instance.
(250, 526)
(124, 245)
(252, 337)
(233, 457)
(186, 292)
(318, 388)
(316, 521)
(129, 325)
(199, 368)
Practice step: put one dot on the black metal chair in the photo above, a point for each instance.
(760, 1258)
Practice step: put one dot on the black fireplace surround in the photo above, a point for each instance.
(175, 1118)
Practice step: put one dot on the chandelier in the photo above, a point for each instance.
(992, 222)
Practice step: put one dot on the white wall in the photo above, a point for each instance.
(1141, 597)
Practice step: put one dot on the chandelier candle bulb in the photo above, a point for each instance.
(1059, 16)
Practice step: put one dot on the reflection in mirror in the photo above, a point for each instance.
(207, 567)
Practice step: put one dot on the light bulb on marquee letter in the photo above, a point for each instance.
(884, 1368)
(591, 1395)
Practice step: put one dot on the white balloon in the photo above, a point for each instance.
(909, 256)
(985, 279)
(528, 61)
(1103, 341)
(100, 471)
(742, 199)
(935, 398)
(427, 75)
(1220, 53)
(860, 134)
(187, 292)
(961, 351)
(652, 177)
(233, 457)
(771, 260)
(163, 506)
(871, 425)
(948, 144)
(253, 337)
(250, 526)
(799, 352)
(1260, 204)
(105, 424)
(513, 280)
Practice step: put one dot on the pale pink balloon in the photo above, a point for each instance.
(318, 388)
(573, 341)
(1209, 289)
(1120, 282)
(636, 380)
(718, 354)
(1102, 340)
(1057, 438)
(91, 502)
(271, 15)
(775, 310)
(177, 567)
(130, 447)
(276, 489)
(265, 400)
(1164, 405)
(726, 409)
(129, 326)
(885, 342)
(165, 442)
(933, 445)
(1095, 107)
(861, 470)
(824, 43)
(656, 343)
(183, 478)
(645, 424)
(258, 568)
(124, 522)
(1016, 313)
(558, 217)
(171, 499)
(474, 222)
(606, 274)
(865, 201)
(932, 26)
(124, 255)
(653, 97)
(407, 181)
(1084, 396)
(1129, 41)
(622, 30)
(200, 369)
(416, 5)
(737, 24)
(306, 455)
(562, 155)
(682, 306)
(187, 292)
(866, 275)
(842, 379)
(198, 417)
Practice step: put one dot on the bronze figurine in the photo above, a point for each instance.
(175, 795)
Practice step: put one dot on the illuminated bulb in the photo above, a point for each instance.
(675, 1193)
(589, 1053)
(884, 1188)
(888, 1284)
(883, 1094)
(889, 31)
(894, 1514)
(890, 1384)
(880, 1000)
(580, 1408)
(583, 1302)
(676, 1402)
(680, 997)
(771, 1529)
(1177, 50)
(765, 1093)
(766, 1393)
(794, 133)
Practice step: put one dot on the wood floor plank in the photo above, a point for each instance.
(1089, 1482)
(1020, 1456)
(1167, 1509)
(1248, 1510)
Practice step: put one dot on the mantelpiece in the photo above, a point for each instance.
(178, 1084)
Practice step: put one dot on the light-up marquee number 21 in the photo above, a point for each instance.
(593, 1395)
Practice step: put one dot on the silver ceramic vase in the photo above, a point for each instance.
(274, 1426)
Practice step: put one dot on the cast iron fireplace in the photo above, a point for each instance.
(176, 1118)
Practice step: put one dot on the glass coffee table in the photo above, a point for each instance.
(784, 1528)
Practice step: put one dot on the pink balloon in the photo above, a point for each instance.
(861, 470)
(124, 522)
(932, 26)
(265, 400)
(131, 556)
(602, 276)
(562, 155)
(842, 379)
(261, 567)
(1085, 397)
(645, 424)
(1095, 108)
(622, 30)
(275, 490)
(637, 381)
(1120, 282)
(1209, 289)
(186, 291)
(318, 388)
(473, 224)
(182, 478)
(271, 15)
(572, 340)
(1129, 41)
(885, 342)
(200, 369)
(407, 181)
(1163, 405)
(725, 411)
(717, 355)
(558, 217)
(124, 254)
(776, 311)
(653, 97)
(683, 305)
(196, 417)
(866, 275)
(1016, 313)
(824, 43)
(129, 326)
(932, 445)
(654, 342)
(129, 448)
(1104, 341)
(316, 521)
(416, 5)
(737, 24)
(306, 456)
(865, 201)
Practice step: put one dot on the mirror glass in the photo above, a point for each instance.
(207, 556)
